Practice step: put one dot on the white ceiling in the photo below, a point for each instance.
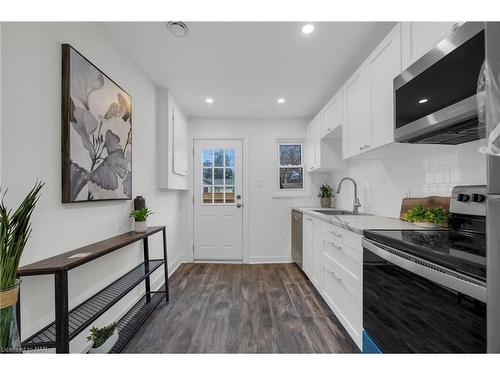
(246, 66)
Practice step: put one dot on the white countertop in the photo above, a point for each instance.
(358, 223)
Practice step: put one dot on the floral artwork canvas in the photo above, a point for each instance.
(96, 133)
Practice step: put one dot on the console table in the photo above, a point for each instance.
(69, 323)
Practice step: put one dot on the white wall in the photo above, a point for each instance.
(269, 217)
(31, 144)
(404, 170)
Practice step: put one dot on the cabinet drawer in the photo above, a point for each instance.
(346, 237)
(348, 258)
(343, 297)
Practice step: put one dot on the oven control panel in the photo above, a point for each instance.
(469, 200)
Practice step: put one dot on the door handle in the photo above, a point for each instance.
(335, 233)
(335, 245)
(335, 276)
(238, 205)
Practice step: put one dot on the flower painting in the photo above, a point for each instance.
(96, 133)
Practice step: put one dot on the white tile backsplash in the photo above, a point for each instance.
(416, 171)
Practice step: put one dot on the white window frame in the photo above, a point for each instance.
(305, 191)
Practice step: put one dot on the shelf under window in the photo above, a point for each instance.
(87, 312)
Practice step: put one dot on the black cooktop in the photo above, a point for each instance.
(460, 251)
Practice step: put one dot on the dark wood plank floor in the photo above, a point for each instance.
(241, 308)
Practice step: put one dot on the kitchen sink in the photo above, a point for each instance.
(337, 212)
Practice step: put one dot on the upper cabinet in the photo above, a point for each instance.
(172, 143)
(368, 98)
(420, 37)
(364, 108)
(332, 116)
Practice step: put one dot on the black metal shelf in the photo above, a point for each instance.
(88, 311)
(130, 323)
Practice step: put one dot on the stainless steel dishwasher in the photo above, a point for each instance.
(297, 237)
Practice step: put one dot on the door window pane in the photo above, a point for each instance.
(230, 154)
(219, 194)
(218, 157)
(290, 154)
(229, 194)
(218, 180)
(207, 157)
(229, 176)
(207, 176)
(218, 176)
(291, 178)
(207, 194)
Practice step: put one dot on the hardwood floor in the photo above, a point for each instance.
(241, 308)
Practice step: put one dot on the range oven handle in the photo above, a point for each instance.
(428, 270)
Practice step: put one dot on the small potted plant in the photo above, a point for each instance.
(326, 194)
(103, 339)
(141, 216)
(426, 217)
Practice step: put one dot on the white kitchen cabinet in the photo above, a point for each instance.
(355, 113)
(320, 155)
(342, 269)
(368, 98)
(172, 144)
(307, 250)
(383, 65)
(420, 37)
(316, 254)
(332, 116)
(311, 249)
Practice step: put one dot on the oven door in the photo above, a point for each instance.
(413, 306)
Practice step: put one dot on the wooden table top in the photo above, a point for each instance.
(85, 254)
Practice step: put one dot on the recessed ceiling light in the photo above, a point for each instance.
(308, 29)
(424, 100)
(281, 100)
(178, 28)
(209, 100)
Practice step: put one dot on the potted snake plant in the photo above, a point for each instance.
(15, 230)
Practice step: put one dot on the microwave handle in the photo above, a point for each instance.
(427, 270)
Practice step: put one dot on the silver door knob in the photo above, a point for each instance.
(238, 205)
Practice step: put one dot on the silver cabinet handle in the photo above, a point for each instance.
(335, 233)
(238, 205)
(335, 245)
(339, 280)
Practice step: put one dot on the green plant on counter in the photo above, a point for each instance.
(420, 214)
(141, 215)
(325, 191)
(100, 335)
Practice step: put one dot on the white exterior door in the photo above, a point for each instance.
(217, 189)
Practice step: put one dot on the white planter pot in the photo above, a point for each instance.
(426, 225)
(107, 346)
(140, 226)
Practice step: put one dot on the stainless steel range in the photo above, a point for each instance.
(424, 291)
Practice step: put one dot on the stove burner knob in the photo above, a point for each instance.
(463, 197)
(478, 198)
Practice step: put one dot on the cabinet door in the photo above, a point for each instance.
(317, 249)
(307, 260)
(332, 115)
(180, 144)
(420, 37)
(313, 144)
(382, 66)
(355, 111)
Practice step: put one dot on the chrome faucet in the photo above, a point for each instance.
(356, 204)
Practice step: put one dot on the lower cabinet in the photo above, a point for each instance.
(311, 257)
(333, 261)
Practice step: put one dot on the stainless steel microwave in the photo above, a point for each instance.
(435, 98)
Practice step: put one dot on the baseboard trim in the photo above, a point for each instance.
(269, 259)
